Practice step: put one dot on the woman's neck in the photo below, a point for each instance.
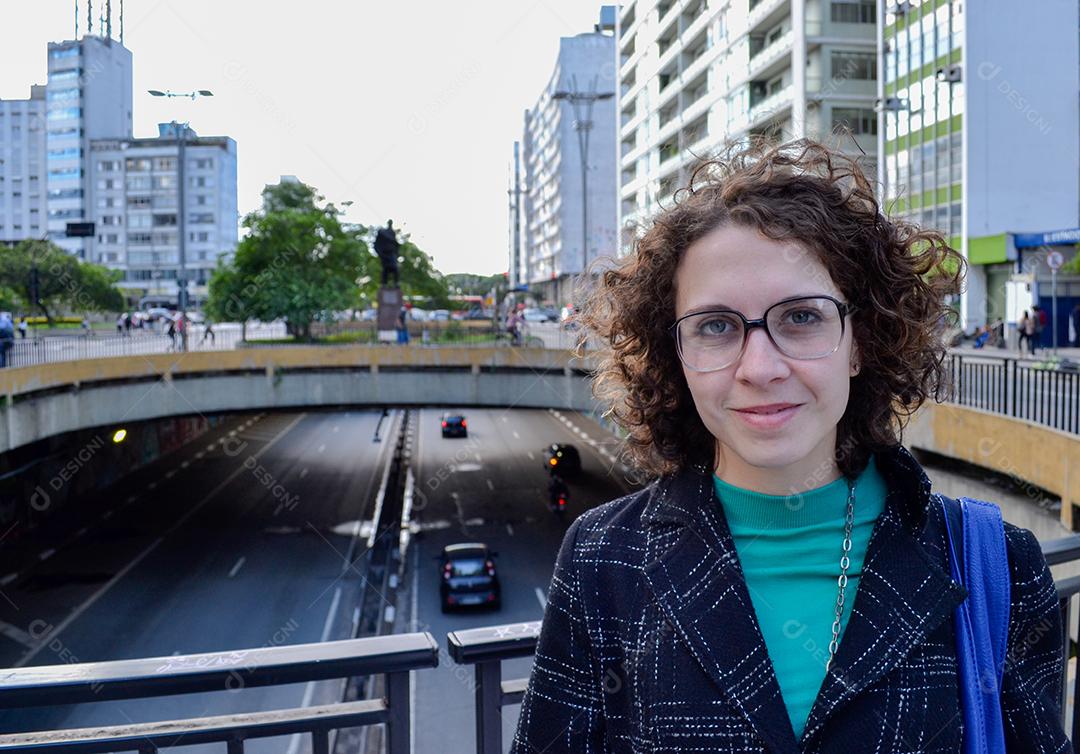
(807, 474)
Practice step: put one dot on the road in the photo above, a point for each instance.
(236, 541)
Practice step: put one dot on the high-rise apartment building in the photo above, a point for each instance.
(23, 207)
(88, 96)
(696, 75)
(136, 213)
(567, 157)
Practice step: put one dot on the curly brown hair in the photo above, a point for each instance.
(896, 274)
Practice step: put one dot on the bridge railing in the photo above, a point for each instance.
(396, 655)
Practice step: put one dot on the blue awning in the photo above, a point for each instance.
(1050, 238)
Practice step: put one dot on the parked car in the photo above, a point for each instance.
(417, 314)
(534, 315)
(477, 314)
(454, 425)
(562, 459)
(440, 315)
(369, 315)
(551, 314)
(467, 576)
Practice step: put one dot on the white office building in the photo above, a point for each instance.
(137, 217)
(23, 207)
(696, 75)
(88, 96)
(560, 232)
(979, 140)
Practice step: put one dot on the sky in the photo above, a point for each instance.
(409, 109)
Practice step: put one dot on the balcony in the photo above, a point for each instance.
(771, 58)
(770, 105)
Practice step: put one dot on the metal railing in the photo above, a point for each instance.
(394, 656)
(1019, 388)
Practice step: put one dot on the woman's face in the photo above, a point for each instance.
(738, 268)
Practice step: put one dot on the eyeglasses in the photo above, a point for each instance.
(805, 327)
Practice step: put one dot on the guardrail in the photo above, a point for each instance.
(393, 656)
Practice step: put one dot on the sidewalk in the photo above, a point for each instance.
(1041, 354)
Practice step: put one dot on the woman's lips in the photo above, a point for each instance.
(769, 420)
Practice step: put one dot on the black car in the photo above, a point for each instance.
(467, 576)
(454, 425)
(562, 459)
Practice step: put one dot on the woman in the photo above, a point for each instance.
(766, 342)
(1022, 329)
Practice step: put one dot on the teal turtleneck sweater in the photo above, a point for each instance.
(789, 547)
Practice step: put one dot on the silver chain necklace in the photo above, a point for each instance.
(841, 583)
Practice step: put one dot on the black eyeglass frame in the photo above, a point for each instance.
(749, 324)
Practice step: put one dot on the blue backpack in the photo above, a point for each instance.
(979, 562)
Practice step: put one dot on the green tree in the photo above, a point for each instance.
(297, 262)
(63, 281)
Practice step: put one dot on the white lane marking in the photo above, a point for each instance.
(44, 642)
(170, 473)
(532, 456)
(184, 464)
(210, 447)
(516, 435)
(106, 515)
(540, 596)
(322, 447)
(335, 428)
(80, 532)
(131, 499)
(309, 692)
(490, 485)
(8, 579)
(236, 568)
(46, 554)
(303, 472)
(388, 614)
(152, 486)
(509, 529)
(503, 418)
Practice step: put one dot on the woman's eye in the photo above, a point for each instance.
(803, 317)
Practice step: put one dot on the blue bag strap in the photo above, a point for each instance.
(979, 561)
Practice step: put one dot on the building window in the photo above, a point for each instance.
(164, 181)
(136, 164)
(861, 121)
(163, 220)
(854, 65)
(201, 217)
(139, 202)
(853, 12)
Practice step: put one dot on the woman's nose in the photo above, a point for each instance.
(761, 360)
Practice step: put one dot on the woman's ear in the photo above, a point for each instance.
(856, 366)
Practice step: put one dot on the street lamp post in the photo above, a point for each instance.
(180, 131)
(583, 125)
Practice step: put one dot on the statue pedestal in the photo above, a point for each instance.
(388, 308)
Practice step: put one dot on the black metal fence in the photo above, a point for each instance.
(393, 656)
(1023, 389)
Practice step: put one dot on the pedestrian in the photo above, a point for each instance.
(171, 332)
(759, 350)
(85, 325)
(120, 324)
(208, 330)
(127, 324)
(1035, 329)
(1074, 326)
(1025, 329)
(1039, 314)
(403, 326)
(22, 328)
(7, 338)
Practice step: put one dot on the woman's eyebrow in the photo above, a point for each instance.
(716, 306)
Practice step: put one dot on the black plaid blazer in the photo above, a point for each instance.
(650, 643)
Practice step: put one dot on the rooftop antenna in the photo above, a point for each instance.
(89, 16)
(76, 19)
(108, 18)
(121, 21)
(101, 22)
